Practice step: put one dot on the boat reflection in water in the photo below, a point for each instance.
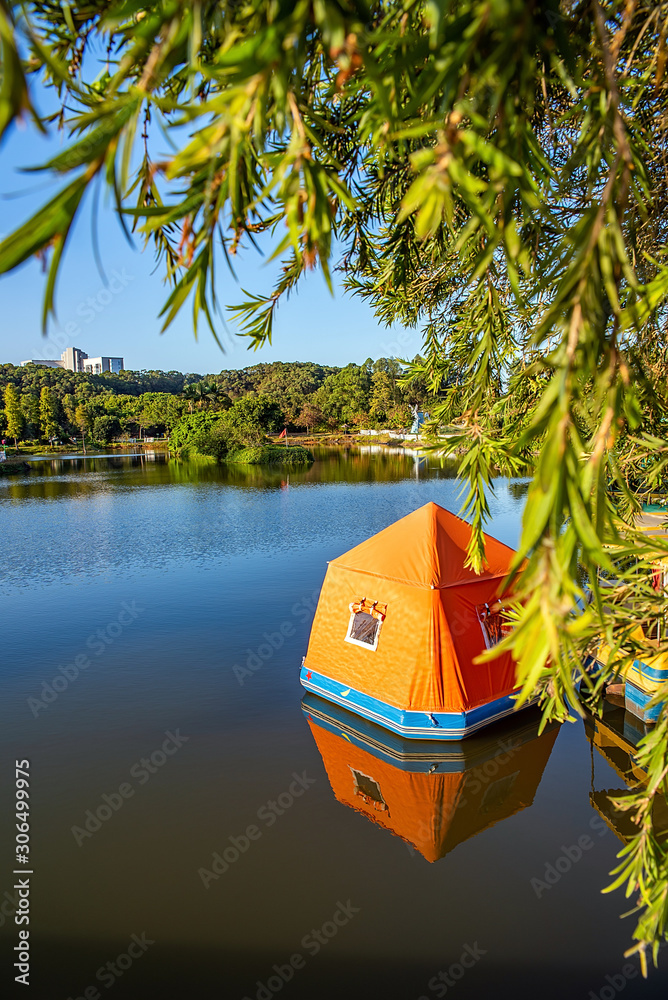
(432, 795)
(616, 736)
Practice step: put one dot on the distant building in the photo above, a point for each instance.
(75, 360)
(96, 366)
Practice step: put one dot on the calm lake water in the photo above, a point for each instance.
(190, 817)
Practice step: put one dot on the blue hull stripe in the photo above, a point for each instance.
(406, 722)
(656, 673)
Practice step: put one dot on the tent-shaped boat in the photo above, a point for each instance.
(400, 623)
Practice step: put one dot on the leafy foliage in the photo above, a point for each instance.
(106, 427)
(218, 434)
(193, 432)
(271, 455)
(13, 414)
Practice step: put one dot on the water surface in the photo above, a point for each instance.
(188, 590)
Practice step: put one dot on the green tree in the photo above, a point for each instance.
(204, 392)
(106, 427)
(13, 414)
(252, 417)
(69, 406)
(216, 441)
(193, 431)
(30, 409)
(81, 422)
(190, 395)
(345, 395)
(48, 414)
(160, 410)
(383, 394)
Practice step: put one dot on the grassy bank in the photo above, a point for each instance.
(13, 467)
(28, 448)
(270, 454)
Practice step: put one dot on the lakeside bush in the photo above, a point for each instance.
(193, 432)
(240, 430)
(271, 454)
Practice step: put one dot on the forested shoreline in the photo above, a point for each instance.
(47, 405)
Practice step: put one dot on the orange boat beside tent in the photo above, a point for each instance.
(400, 624)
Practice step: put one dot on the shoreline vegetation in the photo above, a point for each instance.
(322, 440)
(48, 411)
(271, 455)
(273, 452)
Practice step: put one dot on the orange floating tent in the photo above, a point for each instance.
(400, 623)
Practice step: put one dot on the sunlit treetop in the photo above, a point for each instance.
(418, 133)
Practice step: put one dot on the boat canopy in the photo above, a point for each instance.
(402, 619)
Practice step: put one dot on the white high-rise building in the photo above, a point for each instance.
(96, 366)
(73, 359)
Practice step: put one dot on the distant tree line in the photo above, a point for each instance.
(53, 404)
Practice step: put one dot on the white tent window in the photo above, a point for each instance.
(363, 630)
(366, 618)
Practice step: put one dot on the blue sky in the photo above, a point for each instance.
(121, 318)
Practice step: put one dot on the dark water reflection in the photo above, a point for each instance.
(433, 796)
(227, 843)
